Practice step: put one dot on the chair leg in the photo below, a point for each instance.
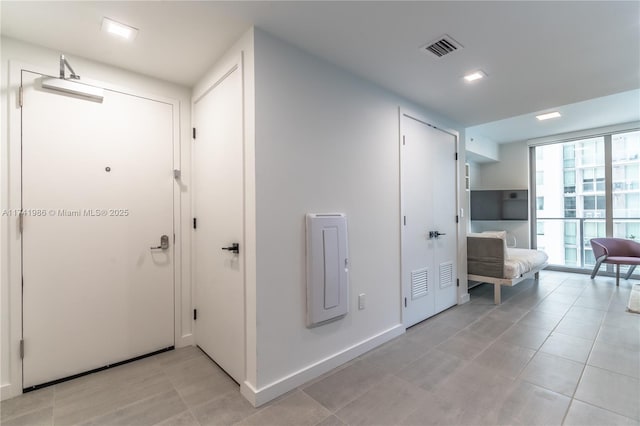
(595, 268)
(617, 274)
(631, 269)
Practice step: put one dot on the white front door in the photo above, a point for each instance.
(97, 194)
(429, 228)
(218, 211)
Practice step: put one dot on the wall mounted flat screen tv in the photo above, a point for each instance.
(510, 204)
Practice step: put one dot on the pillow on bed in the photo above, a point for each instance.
(493, 234)
(497, 234)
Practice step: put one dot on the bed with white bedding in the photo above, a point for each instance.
(489, 260)
(520, 261)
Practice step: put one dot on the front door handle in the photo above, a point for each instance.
(435, 234)
(164, 243)
(234, 248)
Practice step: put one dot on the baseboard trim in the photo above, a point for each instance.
(9, 390)
(271, 391)
(249, 392)
(185, 340)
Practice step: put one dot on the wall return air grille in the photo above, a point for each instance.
(442, 46)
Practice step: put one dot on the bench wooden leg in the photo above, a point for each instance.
(496, 294)
(617, 274)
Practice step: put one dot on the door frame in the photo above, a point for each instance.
(12, 251)
(461, 247)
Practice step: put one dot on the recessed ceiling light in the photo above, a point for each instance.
(554, 114)
(476, 75)
(116, 28)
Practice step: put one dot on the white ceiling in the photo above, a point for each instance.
(537, 55)
(599, 112)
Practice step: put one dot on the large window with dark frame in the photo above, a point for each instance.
(584, 189)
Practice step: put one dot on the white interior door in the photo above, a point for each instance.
(97, 193)
(218, 209)
(429, 235)
(444, 189)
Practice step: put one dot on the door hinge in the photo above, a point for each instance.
(405, 302)
(404, 141)
(194, 132)
(20, 96)
(456, 156)
(457, 282)
(404, 220)
(22, 349)
(195, 223)
(21, 222)
(174, 238)
(195, 314)
(457, 219)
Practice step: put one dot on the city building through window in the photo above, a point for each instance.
(585, 189)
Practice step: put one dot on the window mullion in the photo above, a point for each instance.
(608, 184)
(533, 224)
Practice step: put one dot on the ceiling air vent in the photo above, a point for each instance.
(442, 46)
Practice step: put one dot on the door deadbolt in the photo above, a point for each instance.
(164, 243)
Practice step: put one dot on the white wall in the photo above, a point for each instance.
(480, 149)
(326, 141)
(13, 50)
(511, 172)
(474, 175)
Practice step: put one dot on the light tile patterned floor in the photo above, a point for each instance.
(561, 351)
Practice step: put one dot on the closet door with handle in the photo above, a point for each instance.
(429, 228)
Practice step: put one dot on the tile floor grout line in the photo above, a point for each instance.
(584, 366)
(493, 341)
(341, 419)
(547, 338)
(518, 377)
(162, 372)
(128, 405)
(422, 344)
(605, 409)
(181, 399)
(587, 361)
(512, 325)
(26, 413)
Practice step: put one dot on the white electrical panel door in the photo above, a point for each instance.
(327, 268)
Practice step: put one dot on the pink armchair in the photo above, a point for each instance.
(617, 251)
